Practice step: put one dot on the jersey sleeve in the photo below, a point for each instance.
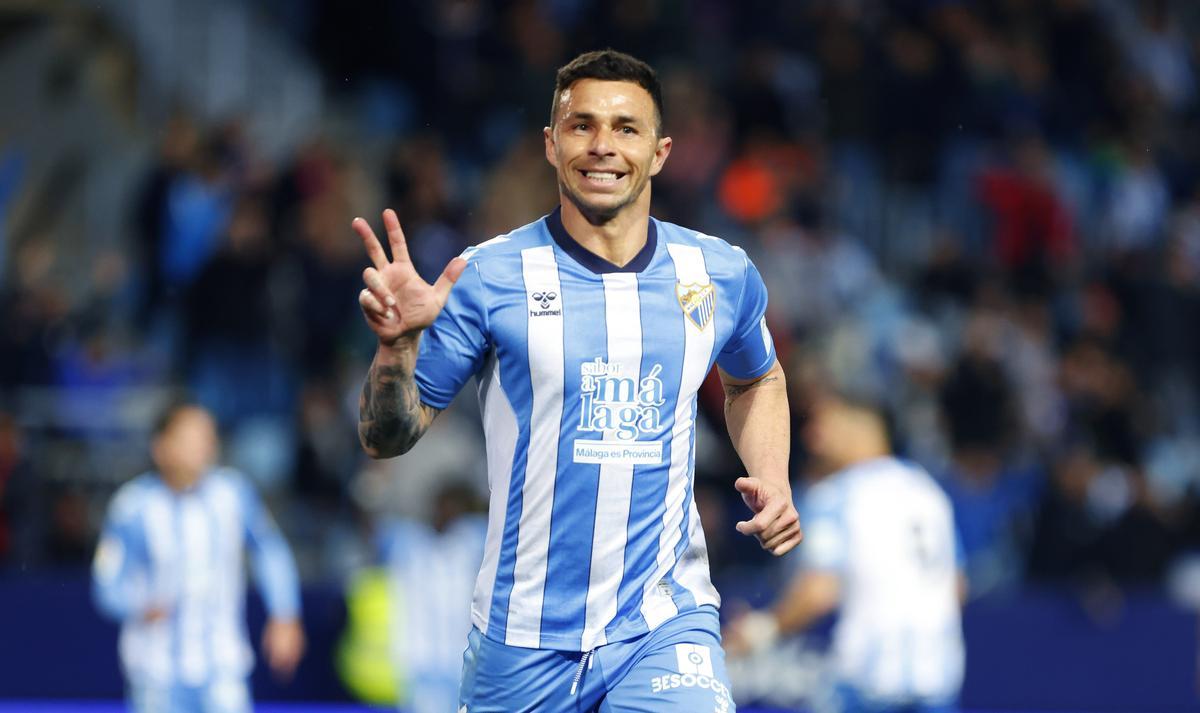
(750, 351)
(454, 346)
(825, 541)
(271, 559)
(120, 584)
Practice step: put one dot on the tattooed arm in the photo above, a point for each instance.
(391, 417)
(398, 306)
(756, 413)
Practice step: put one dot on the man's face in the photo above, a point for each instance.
(187, 448)
(605, 146)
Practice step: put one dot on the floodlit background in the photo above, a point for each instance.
(986, 214)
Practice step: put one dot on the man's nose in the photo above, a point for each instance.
(601, 144)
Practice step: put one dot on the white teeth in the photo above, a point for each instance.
(601, 176)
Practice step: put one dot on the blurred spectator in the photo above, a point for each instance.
(12, 174)
(992, 491)
(179, 144)
(232, 361)
(1033, 232)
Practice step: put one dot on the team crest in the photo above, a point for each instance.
(699, 302)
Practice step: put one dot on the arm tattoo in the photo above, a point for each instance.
(391, 417)
(732, 391)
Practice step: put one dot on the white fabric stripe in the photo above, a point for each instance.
(545, 342)
(622, 312)
(657, 605)
(500, 427)
(692, 572)
(194, 605)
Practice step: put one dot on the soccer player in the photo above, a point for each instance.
(881, 548)
(589, 331)
(169, 568)
(433, 567)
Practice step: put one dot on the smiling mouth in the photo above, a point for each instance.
(602, 177)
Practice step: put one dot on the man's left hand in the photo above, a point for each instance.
(283, 644)
(776, 524)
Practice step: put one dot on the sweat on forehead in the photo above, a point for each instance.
(605, 99)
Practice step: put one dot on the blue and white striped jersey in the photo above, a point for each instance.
(183, 553)
(886, 528)
(433, 574)
(587, 382)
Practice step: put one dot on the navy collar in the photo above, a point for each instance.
(591, 260)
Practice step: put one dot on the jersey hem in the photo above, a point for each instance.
(571, 644)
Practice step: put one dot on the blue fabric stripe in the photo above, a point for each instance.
(515, 380)
(573, 516)
(684, 598)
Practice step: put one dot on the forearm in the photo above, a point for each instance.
(808, 598)
(391, 417)
(759, 423)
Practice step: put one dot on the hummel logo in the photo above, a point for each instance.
(544, 298)
(543, 303)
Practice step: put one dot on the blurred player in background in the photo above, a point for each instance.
(590, 331)
(170, 568)
(881, 549)
(433, 568)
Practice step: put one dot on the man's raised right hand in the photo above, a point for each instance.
(396, 302)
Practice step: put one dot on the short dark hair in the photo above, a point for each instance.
(610, 65)
(167, 414)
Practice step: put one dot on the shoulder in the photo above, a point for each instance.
(470, 528)
(129, 499)
(721, 258)
(225, 482)
(908, 477)
(508, 245)
(827, 497)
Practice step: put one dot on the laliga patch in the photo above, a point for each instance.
(694, 659)
(699, 302)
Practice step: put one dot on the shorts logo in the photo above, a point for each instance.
(695, 665)
(694, 659)
(699, 302)
(540, 302)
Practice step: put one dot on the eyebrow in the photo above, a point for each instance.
(620, 119)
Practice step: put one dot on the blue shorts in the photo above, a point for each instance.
(677, 667)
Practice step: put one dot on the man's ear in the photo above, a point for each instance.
(548, 137)
(661, 151)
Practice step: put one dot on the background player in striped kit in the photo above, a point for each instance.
(881, 548)
(589, 331)
(432, 567)
(169, 567)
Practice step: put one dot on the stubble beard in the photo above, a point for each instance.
(598, 215)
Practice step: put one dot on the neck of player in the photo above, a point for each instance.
(618, 240)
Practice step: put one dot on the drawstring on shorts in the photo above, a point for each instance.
(586, 659)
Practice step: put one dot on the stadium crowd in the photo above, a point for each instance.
(984, 215)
